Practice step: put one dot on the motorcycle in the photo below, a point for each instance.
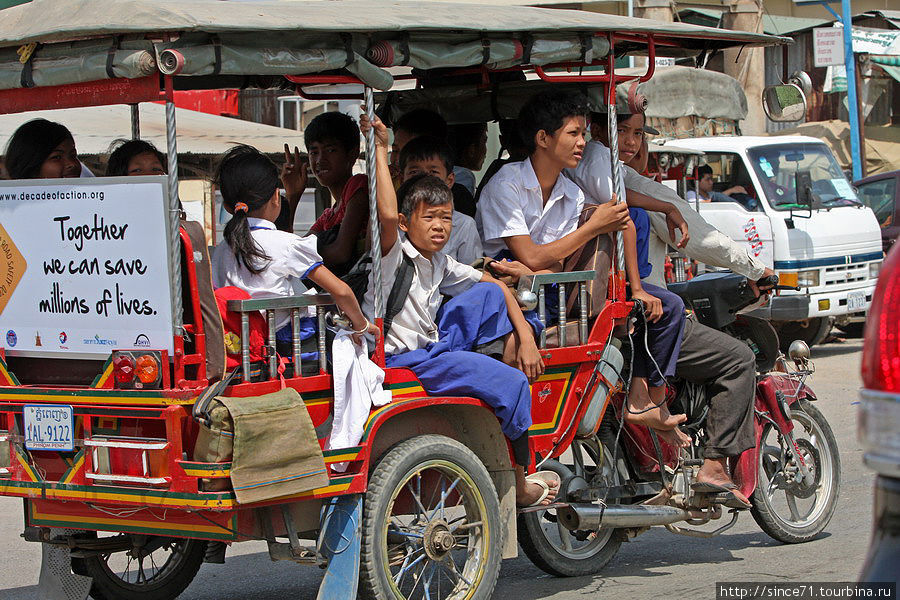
(621, 480)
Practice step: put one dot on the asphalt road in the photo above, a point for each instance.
(654, 564)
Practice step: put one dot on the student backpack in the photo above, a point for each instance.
(358, 281)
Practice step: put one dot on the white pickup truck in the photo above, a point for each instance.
(830, 247)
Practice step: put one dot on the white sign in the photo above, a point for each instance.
(828, 46)
(84, 267)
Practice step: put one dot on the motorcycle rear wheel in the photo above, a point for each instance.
(806, 507)
(553, 548)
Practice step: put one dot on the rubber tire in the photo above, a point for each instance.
(771, 525)
(545, 557)
(106, 587)
(395, 465)
(814, 333)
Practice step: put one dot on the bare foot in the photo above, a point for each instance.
(529, 490)
(641, 409)
(674, 437)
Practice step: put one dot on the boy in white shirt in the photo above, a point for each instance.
(430, 155)
(437, 342)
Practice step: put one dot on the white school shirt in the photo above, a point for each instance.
(292, 258)
(414, 326)
(464, 244)
(594, 174)
(512, 204)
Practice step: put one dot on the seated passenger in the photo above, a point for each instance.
(438, 343)
(417, 123)
(262, 260)
(332, 141)
(511, 143)
(657, 341)
(469, 143)
(135, 157)
(42, 149)
(432, 156)
(528, 210)
(705, 185)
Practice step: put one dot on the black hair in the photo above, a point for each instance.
(246, 175)
(422, 121)
(424, 148)
(548, 111)
(335, 126)
(422, 189)
(30, 146)
(704, 170)
(125, 150)
(464, 135)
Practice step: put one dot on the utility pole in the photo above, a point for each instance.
(661, 10)
(747, 64)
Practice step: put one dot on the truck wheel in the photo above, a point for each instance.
(158, 570)
(553, 548)
(431, 524)
(812, 331)
(788, 506)
(854, 330)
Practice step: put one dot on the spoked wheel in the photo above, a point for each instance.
(431, 524)
(158, 569)
(555, 549)
(789, 505)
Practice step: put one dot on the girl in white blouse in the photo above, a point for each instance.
(262, 260)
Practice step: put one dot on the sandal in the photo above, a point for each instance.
(545, 479)
(723, 494)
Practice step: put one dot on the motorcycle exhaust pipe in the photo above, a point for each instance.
(590, 517)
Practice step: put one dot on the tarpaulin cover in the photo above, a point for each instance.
(676, 92)
(882, 143)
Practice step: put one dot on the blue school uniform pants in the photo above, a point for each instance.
(449, 367)
(663, 339)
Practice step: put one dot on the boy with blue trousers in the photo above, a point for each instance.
(438, 343)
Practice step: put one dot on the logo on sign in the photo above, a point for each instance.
(63, 337)
(11, 338)
(98, 341)
(141, 341)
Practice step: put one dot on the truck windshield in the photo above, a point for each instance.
(777, 166)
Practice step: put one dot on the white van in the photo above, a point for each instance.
(831, 248)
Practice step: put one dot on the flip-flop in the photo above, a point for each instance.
(543, 479)
(724, 494)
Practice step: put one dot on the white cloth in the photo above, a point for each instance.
(86, 171)
(707, 244)
(593, 174)
(291, 259)
(465, 177)
(512, 204)
(357, 388)
(464, 244)
(414, 326)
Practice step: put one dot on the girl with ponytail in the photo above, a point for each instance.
(262, 260)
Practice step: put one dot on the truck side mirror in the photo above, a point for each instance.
(786, 103)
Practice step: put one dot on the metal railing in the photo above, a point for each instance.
(270, 306)
(536, 283)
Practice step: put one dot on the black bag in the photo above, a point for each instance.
(357, 278)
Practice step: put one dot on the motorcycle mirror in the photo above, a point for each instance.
(784, 103)
(799, 352)
(803, 186)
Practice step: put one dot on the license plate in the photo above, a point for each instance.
(856, 301)
(49, 427)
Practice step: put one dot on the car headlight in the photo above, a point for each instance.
(874, 269)
(808, 278)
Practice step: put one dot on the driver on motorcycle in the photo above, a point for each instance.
(723, 364)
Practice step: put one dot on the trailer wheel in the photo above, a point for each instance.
(159, 569)
(431, 524)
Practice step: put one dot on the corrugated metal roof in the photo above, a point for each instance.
(772, 24)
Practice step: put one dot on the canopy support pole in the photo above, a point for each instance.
(617, 183)
(135, 122)
(174, 211)
(374, 225)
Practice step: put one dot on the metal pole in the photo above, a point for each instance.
(616, 176)
(135, 122)
(374, 225)
(174, 211)
(852, 100)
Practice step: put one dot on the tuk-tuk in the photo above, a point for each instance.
(99, 427)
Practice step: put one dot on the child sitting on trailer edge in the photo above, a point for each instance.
(262, 260)
(440, 344)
